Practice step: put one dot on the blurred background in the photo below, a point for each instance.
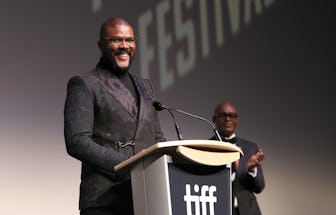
(274, 59)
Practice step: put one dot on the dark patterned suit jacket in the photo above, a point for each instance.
(245, 186)
(99, 112)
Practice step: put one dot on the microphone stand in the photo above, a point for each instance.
(158, 106)
(200, 118)
(178, 131)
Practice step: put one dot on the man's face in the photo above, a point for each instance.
(226, 119)
(118, 46)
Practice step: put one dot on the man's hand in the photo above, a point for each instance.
(255, 160)
(235, 166)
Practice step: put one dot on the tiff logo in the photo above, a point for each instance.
(200, 200)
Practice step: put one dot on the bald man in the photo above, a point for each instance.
(248, 178)
(108, 117)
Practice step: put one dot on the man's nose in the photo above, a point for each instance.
(124, 45)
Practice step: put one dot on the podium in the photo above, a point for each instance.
(185, 177)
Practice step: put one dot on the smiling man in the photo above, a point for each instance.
(117, 45)
(108, 117)
(248, 177)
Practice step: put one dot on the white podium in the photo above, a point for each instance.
(185, 177)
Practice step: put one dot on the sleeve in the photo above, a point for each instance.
(254, 172)
(254, 183)
(78, 127)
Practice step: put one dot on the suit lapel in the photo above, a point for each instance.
(238, 142)
(119, 91)
(143, 98)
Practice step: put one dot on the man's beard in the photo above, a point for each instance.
(115, 68)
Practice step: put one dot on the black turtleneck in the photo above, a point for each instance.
(122, 75)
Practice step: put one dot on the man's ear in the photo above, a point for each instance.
(100, 46)
(214, 118)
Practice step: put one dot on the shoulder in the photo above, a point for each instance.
(85, 79)
(83, 84)
(92, 76)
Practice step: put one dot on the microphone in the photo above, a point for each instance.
(159, 107)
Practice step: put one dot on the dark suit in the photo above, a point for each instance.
(245, 186)
(99, 112)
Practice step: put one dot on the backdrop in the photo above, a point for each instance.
(274, 59)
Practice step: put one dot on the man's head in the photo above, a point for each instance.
(226, 118)
(117, 44)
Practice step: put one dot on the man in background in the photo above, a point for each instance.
(247, 177)
(109, 117)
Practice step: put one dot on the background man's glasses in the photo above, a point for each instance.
(118, 40)
(226, 115)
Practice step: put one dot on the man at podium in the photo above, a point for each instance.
(109, 117)
(247, 177)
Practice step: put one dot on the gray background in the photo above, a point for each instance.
(277, 69)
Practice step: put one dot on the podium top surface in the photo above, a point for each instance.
(212, 146)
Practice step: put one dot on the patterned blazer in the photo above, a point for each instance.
(103, 126)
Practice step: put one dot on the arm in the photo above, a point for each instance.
(252, 162)
(78, 128)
